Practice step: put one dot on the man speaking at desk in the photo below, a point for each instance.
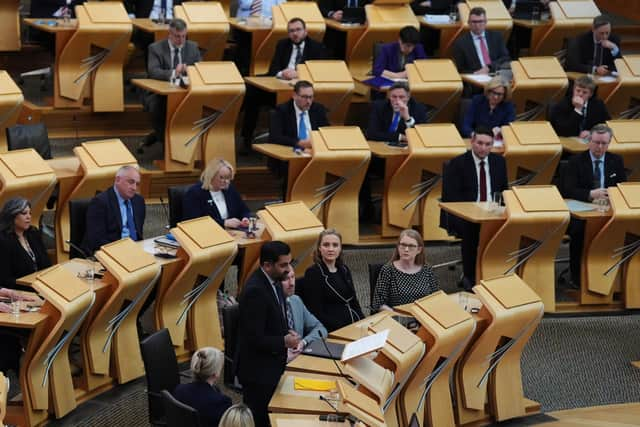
(168, 60)
(472, 177)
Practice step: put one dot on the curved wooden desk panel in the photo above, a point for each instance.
(532, 94)
(208, 26)
(23, 173)
(332, 86)
(528, 241)
(10, 18)
(622, 101)
(626, 143)
(11, 100)
(436, 82)
(550, 39)
(79, 63)
(449, 33)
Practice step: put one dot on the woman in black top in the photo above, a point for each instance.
(328, 287)
(21, 249)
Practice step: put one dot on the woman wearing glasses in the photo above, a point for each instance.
(328, 286)
(216, 197)
(492, 109)
(406, 277)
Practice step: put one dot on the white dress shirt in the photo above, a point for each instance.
(155, 10)
(221, 203)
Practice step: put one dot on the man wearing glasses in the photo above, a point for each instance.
(586, 178)
(480, 51)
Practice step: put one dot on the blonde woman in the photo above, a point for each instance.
(202, 394)
(239, 415)
(491, 109)
(406, 277)
(216, 196)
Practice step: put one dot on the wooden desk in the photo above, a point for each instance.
(573, 144)
(282, 88)
(352, 32)
(11, 100)
(303, 420)
(10, 18)
(449, 33)
(296, 162)
(147, 25)
(208, 26)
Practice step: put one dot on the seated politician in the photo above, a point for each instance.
(216, 197)
(595, 51)
(393, 56)
(297, 48)
(472, 177)
(117, 212)
(586, 178)
(202, 394)
(291, 123)
(262, 8)
(491, 109)
(21, 248)
(299, 318)
(579, 111)
(167, 60)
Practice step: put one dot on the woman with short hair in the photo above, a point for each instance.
(492, 109)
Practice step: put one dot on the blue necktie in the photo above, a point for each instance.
(130, 224)
(302, 128)
(597, 174)
(163, 5)
(395, 122)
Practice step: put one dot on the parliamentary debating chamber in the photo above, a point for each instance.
(320, 213)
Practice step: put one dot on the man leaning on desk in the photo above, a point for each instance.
(595, 51)
(586, 178)
(168, 60)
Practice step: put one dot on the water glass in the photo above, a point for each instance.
(496, 201)
(15, 304)
(602, 205)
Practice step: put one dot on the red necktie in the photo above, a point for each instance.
(485, 52)
(483, 183)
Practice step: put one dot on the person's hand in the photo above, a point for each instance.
(337, 15)
(512, 9)
(403, 109)
(425, 4)
(584, 134)
(289, 74)
(181, 69)
(602, 70)
(578, 102)
(5, 308)
(291, 354)
(244, 222)
(299, 347)
(385, 307)
(305, 143)
(483, 70)
(599, 193)
(608, 44)
(232, 223)
(292, 339)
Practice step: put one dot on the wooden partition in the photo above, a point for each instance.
(626, 143)
(537, 83)
(11, 100)
(332, 86)
(10, 18)
(624, 101)
(208, 26)
(436, 83)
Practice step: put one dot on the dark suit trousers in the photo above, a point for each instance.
(157, 106)
(470, 239)
(256, 397)
(576, 232)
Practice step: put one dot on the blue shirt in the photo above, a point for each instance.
(124, 214)
(479, 113)
(244, 7)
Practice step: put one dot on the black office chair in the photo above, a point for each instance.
(230, 321)
(176, 193)
(161, 371)
(374, 272)
(177, 414)
(78, 226)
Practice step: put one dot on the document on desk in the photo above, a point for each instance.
(365, 345)
(607, 79)
(578, 206)
(479, 78)
(437, 19)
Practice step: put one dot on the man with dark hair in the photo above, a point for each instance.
(594, 52)
(294, 50)
(292, 122)
(480, 51)
(167, 60)
(574, 115)
(586, 178)
(264, 334)
(472, 177)
(393, 57)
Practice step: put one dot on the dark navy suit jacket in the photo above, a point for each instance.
(381, 116)
(466, 58)
(104, 222)
(208, 401)
(282, 123)
(197, 202)
(389, 58)
(479, 113)
(577, 178)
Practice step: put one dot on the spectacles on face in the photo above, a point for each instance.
(600, 143)
(296, 30)
(224, 178)
(496, 93)
(477, 21)
(410, 246)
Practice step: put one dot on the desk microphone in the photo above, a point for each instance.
(326, 347)
(340, 418)
(166, 214)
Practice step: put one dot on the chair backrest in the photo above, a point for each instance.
(78, 225)
(29, 136)
(374, 272)
(4, 390)
(176, 193)
(230, 320)
(161, 370)
(177, 414)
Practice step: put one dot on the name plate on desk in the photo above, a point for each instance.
(530, 133)
(128, 254)
(437, 70)
(439, 135)
(293, 216)
(63, 282)
(343, 138)
(204, 12)
(543, 67)
(631, 193)
(109, 152)
(540, 198)
(510, 291)
(329, 71)
(25, 162)
(441, 308)
(205, 232)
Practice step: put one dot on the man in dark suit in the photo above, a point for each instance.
(116, 213)
(466, 179)
(294, 50)
(168, 60)
(594, 52)
(264, 334)
(292, 122)
(480, 51)
(575, 115)
(586, 178)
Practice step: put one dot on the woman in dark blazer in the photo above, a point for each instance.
(202, 394)
(215, 196)
(328, 290)
(491, 109)
(21, 249)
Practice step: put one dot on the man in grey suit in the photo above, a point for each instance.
(303, 322)
(168, 60)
